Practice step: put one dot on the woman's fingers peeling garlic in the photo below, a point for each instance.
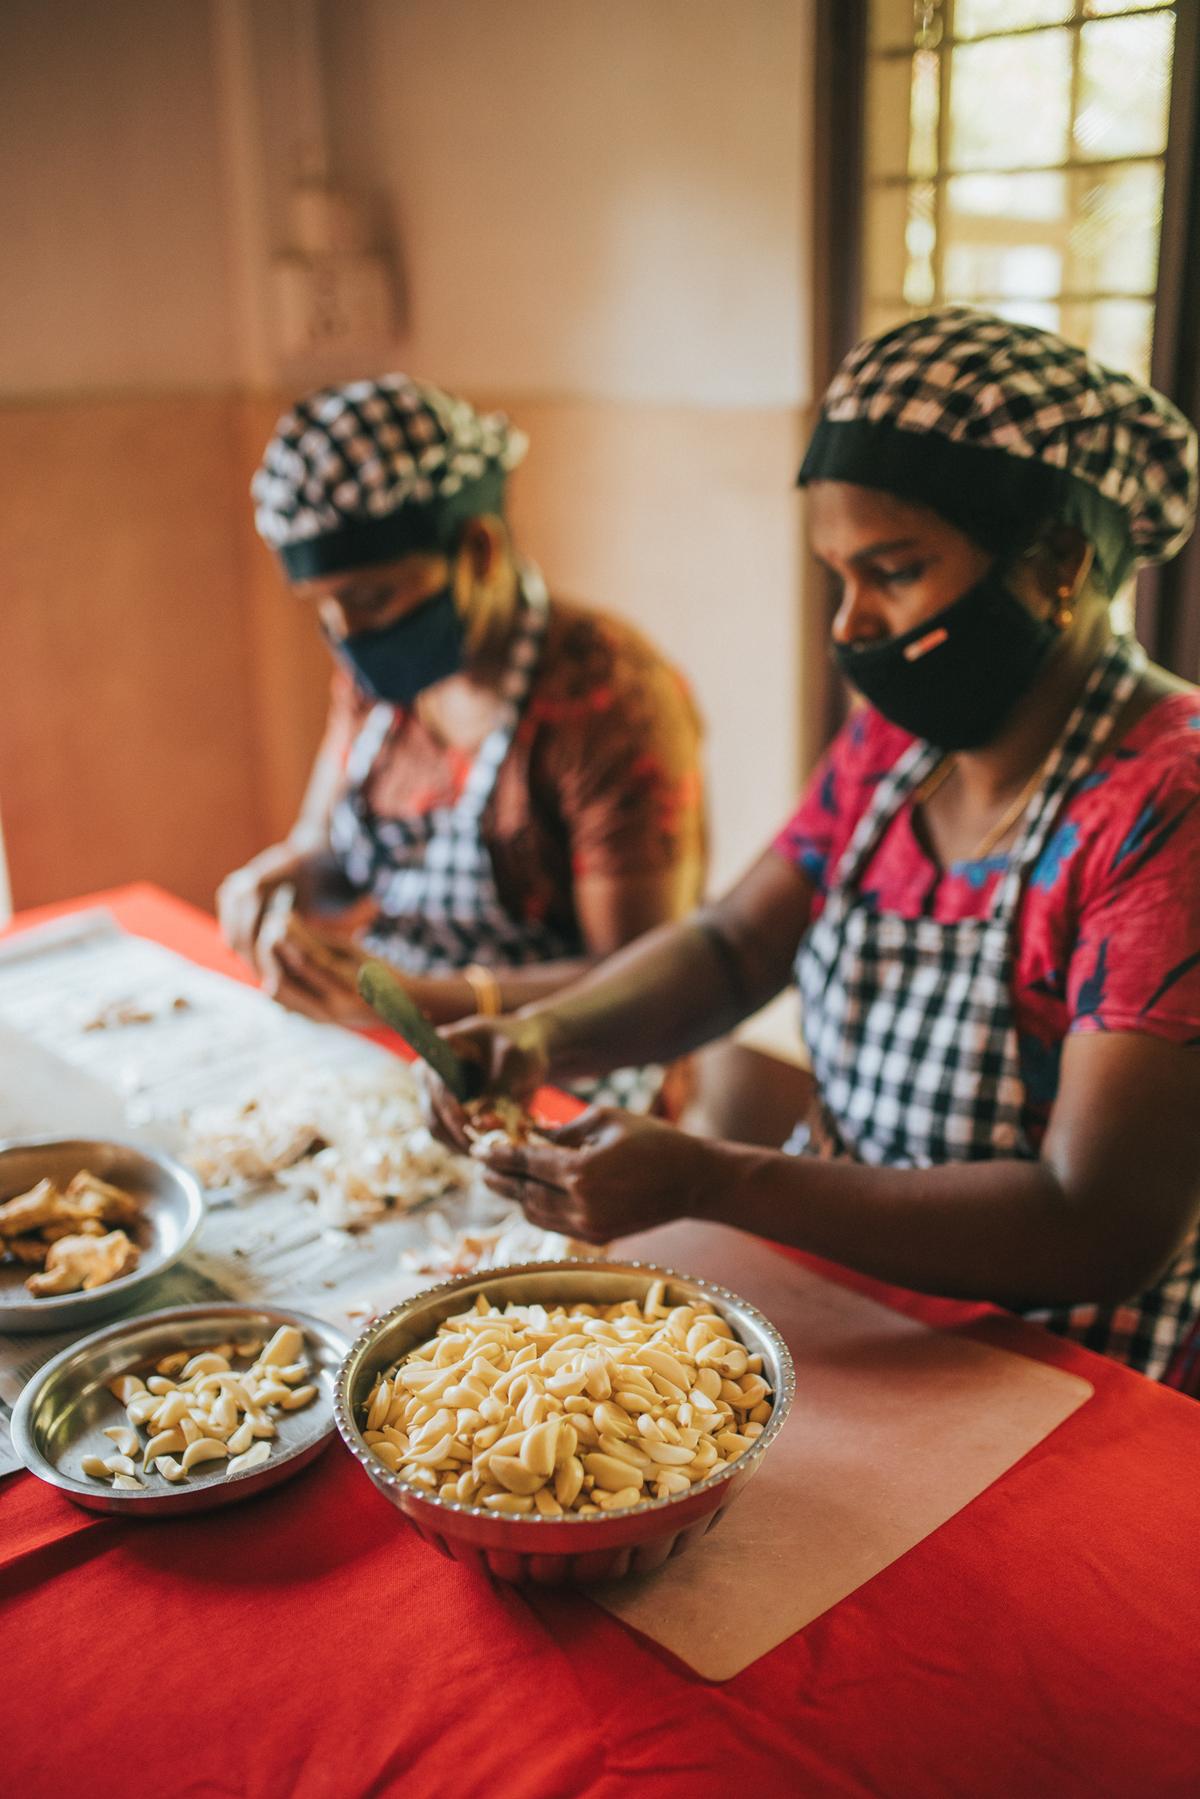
(513, 1060)
(605, 1174)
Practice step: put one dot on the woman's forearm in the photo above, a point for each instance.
(447, 998)
(685, 983)
(1001, 1230)
(675, 988)
(311, 828)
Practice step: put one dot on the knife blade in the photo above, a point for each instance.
(386, 996)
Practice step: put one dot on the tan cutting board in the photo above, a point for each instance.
(895, 1427)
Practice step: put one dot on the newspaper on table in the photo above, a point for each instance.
(107, 1034)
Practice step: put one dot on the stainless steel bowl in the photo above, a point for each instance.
(172, 1206)
(64, 1410)
(569, 1549)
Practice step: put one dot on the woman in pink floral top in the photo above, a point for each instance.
(990, 894)
(1103, 942)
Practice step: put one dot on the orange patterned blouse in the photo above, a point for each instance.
(603, 778)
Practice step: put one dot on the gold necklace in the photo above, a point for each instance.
(1003, 824)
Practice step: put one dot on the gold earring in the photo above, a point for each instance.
(1064, 612)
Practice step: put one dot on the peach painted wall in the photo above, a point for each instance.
(684, 519)
(126, 748)
(593, 199)
(600, 210)
(115, 271)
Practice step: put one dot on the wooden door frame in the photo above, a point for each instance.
(1168, 598)
(839, 148)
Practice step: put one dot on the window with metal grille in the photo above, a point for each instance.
(1014, 160)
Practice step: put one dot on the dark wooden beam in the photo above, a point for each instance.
(839, 138)
(1168, 599)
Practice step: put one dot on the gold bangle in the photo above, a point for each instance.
(489, 1001)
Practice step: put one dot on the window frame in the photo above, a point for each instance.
(1168, 598)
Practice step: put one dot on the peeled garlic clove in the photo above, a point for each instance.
(95, 1467)
(539, 1451)
(622, 1451)
(297, 1397)
(208, 1386)
(141, 1408)
(598, 1379)
(204, 1449)
(126, 1440)
(224, 1415)
(512, 1473)
(708, 1382)
(128, 1483)
(669, 1455)
(659, 1362)
(119, 1464)
(241, 1439)
(618, 1501)
(167, 1442)
(377, 1412)
(253, 1457)
(435, 1453)
(272, 1393)
(190, 1429)
(671, 1480)
(655, 1294)
(285, 1347)
(295, 1371)
(125, 1386)
(612, 1419)
(260, 1424)
(173, 1407)
(171, 1364)
(169, 1468)
(206, 1363)
(567, 1482)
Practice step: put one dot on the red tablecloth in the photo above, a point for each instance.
(306, 1645)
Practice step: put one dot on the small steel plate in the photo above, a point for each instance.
(172, 1206)
(64, 1410)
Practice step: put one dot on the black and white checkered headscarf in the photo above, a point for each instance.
(373, 470)
(1002, 428)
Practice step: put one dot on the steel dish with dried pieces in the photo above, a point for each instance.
(63, 1416)
(635, 1536)
(169, 1205)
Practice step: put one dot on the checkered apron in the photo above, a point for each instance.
(909, 1021)
(431, 873)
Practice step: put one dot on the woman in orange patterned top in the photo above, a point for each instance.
(509, 786)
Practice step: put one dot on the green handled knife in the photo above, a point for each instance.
(385, 995)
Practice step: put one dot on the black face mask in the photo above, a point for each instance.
(954, 679)
(404, 658)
